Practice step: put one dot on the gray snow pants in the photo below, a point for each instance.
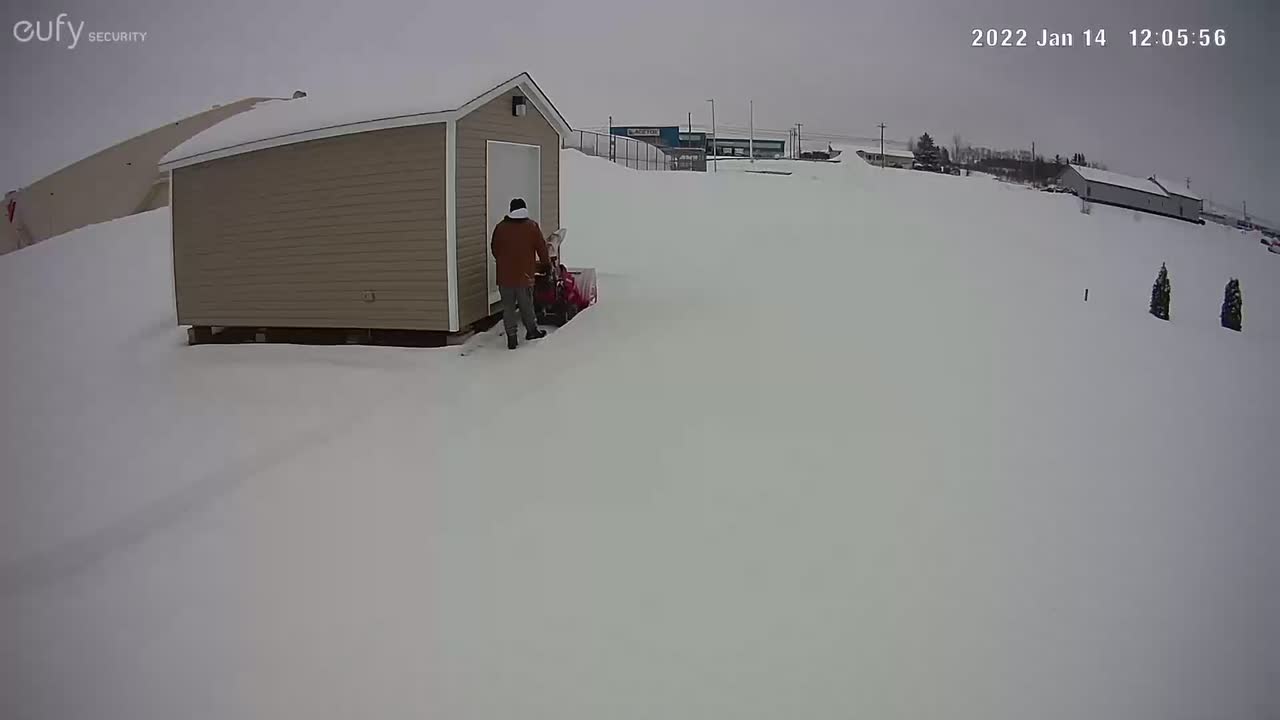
(511, 297)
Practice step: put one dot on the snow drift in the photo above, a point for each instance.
(845, 442)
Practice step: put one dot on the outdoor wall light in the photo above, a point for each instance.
(517, 105)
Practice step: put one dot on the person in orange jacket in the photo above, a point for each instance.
(517, 246)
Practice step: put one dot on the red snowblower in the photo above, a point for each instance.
(559, 292)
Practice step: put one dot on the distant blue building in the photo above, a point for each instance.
(686, 150)
(660, 135)
(671, 136)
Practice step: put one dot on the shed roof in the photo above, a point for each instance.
(1174, 189)
(373, 104)
(1106, 177)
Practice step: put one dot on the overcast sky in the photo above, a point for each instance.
(834, 65)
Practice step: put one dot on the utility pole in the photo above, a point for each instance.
(799, 145)
(612, 142)
(881, 126)
(1188, 182)
(751, 138)
(715, 163)
(1033, 164)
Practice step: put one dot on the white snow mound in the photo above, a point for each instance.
(847, 442)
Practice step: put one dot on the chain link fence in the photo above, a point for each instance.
(626, 151)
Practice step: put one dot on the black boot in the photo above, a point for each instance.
(536, 334)
(511, 341)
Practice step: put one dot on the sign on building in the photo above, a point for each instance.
(688, 159)
(643, 132)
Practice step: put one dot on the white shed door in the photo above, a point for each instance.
(512, 170)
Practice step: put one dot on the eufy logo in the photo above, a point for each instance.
(62, 31)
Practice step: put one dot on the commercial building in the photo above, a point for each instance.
(686, 150)
(671, 136)
(743, 147)
(661, 135)
(694, 139)
(365, 209)
(1110, 188)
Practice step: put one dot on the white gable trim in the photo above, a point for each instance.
(317, 134)
(451, 218)
(523, 81)
(531, 91)
(173, 248)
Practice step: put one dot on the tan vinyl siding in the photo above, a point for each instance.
(294, 236)
(494, 121)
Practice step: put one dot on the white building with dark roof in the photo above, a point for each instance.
(892, 158)
(1110, 188)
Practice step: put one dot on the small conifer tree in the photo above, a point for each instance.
(1232, 306)
(1160, 293)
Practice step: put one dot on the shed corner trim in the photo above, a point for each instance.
(451, 217)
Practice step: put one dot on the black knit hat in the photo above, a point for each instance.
(517, 204)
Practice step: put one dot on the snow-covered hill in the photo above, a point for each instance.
(841, 443)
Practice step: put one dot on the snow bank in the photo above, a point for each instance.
(846, 442)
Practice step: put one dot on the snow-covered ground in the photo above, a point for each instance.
(844, 443)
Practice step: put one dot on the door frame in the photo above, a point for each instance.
(491, 269)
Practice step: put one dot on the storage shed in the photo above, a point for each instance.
(359, 210)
